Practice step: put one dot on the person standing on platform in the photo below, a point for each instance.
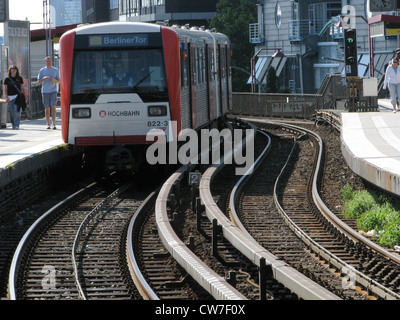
(13, 85)
(392, 81)
(49, 77)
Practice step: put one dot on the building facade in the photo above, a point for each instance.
(194, 12)
(67, 12)
(310, 35)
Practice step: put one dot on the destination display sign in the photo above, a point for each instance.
(97, 41)
(116, 40)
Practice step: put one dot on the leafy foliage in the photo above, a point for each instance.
(233, 19)
(272, 80)
(373, 212)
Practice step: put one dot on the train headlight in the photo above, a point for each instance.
(81, 113)
(157, 111)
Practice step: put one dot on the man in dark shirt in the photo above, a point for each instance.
(120, 78)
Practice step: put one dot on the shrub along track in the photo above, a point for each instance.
(292, 198)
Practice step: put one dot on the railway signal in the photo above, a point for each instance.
(350, 52)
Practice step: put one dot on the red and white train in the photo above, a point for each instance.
(120, 80)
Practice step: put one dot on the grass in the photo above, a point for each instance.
(373, 212)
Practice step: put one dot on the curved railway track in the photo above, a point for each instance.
(157, 274)
(331, 256)
(90, 244)
(74, 250)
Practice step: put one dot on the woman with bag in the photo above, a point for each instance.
(14, 86)
(392, 82)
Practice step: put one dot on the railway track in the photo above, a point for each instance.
(82, 251)
(158, 275)
(347, 260)
(61, 257)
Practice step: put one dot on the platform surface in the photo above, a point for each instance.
(371, 145)
(31, 138)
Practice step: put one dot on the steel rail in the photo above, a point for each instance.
(335, 121)
(248, 246)
(19, 252)
(84, 223)
(141, 284)
(360, 278)
(236, 189)
(215, 284)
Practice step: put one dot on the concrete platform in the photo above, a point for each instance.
(31, 138)
(371, 145)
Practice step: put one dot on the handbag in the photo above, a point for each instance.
(20, 101)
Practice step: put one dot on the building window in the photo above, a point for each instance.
(278, 15)
(321, 13)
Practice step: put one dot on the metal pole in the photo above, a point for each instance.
(262, 279)
(371, 53)
(214, 240)
(45, 25)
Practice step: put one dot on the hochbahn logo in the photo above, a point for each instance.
(165, 148)
(122, 113)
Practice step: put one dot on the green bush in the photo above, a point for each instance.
(390, 235)
(347, 192)
(375, 218)
(372, 212)
(361, 201)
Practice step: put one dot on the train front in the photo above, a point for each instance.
(114, 90)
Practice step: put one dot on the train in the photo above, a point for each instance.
(122, 80)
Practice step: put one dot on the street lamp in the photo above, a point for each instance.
(277, 54)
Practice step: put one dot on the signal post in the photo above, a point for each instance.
(362, 92)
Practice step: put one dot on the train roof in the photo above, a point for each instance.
(191, 34)
(117, 27)
(184, 32)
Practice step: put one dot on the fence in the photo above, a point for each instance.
(300, 106)
(36, 107)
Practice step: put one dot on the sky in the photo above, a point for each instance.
(22, 9)
(31, 9)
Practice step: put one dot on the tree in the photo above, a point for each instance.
(233, 19)
(271, 80)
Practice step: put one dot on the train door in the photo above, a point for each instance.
(202, 93)
(193, 83)
(186, 95)
(229, 75)
(217, 80)
(223, 82)
(211, 81)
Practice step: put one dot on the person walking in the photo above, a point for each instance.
(392, 82)
(49, 77)
(13, 85)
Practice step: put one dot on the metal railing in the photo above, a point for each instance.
(300, 29)
(300, 106)
(256, 33)
(36, 107)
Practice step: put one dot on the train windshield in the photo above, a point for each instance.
(140, 71)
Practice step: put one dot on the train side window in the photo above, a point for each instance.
(200, 65)
(223, 61)
(203, 65)
(185, 69)
(197, 66)
(211, 63)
